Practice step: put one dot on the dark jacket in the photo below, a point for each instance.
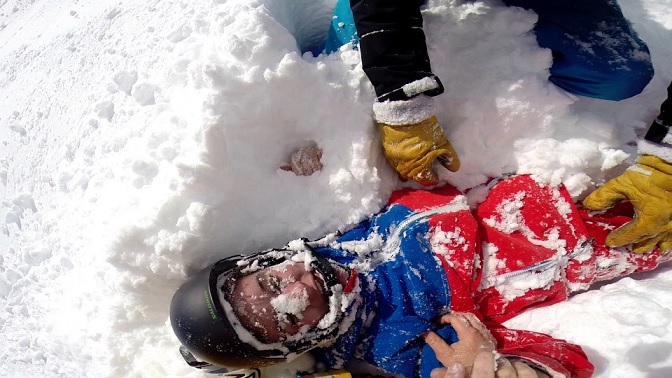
(394, 54)
(393, 47)
(660, 128)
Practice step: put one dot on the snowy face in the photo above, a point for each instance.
(280, 300)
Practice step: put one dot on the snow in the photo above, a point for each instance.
(141, 141)
(293, 304)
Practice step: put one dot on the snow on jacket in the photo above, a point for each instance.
(526, 245)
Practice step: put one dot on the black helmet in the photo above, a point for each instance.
(206, 325)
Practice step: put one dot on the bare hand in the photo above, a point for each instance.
(517, 369)
(473, 356)
(484, 366)
(471, 333)
(305, 161)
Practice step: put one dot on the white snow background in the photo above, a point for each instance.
(141, 140)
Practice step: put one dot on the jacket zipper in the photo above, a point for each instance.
(545, 265)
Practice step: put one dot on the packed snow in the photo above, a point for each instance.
(143, 140)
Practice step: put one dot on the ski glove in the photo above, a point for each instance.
(411, 149)
(648, 186)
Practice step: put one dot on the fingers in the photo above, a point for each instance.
(524, 370)
(464, 324)
(606, 196)
(666, 244)
(484, 364)
(449, 355)
(305, 161)
(460, 323)
(426, 177)
(518, 369)
(505, 369)
(475, 345)
(454, 370)
(443, 351)
(484, 367)
(438, 373)
(632, 232)
(450, 162)
(647, 244)
(424, 173)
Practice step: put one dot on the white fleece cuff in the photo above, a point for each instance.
(420, 86)
(644, 147)
(416, 87)
(404, 112)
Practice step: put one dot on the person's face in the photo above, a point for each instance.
(279, 300)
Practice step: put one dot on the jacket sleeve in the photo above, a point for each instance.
(393, 48)
(556, 357)
(658, 140)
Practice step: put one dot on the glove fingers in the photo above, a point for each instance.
(447, 155)
(646, 245)
(426, 177)
(444, 154)
(417, 170)
(450, 162)
(605, 196)
(421, 169)
(666, 245)
(637, 230)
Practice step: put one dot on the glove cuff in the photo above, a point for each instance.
(663, 151)
(404, 112)
(658, 141)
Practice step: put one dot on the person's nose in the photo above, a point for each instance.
(306, 283)
(296, 287)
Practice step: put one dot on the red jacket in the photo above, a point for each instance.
(526, 245)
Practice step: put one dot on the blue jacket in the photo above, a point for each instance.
(403, 294)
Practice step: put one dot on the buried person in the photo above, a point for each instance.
(380, 292)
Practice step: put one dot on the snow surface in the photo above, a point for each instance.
(141, 140)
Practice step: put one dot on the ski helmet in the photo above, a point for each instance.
(205, 323)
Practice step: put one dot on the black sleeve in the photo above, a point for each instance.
(393, 48)
(661, 125)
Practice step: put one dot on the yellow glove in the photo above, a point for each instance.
(411, 150)
(648, 186)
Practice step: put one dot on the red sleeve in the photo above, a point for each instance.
(557, 357)
(420, 200)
